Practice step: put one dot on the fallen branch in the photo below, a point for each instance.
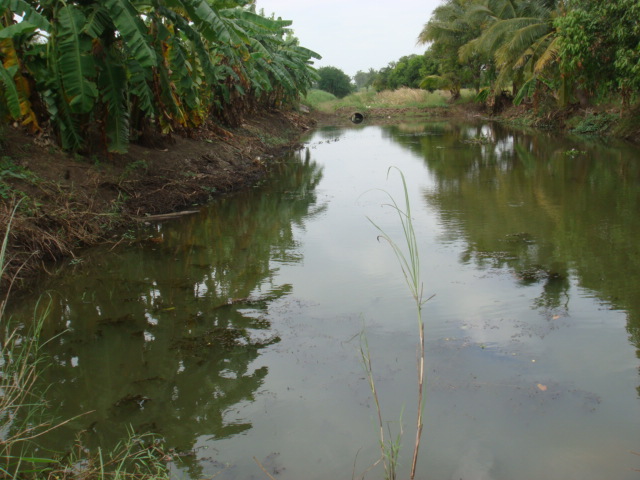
(165, 216)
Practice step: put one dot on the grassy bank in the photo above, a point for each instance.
(367, 101)
(605, 118)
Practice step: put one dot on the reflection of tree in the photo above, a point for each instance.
(546, 208)
(329, 133)
(166, 335)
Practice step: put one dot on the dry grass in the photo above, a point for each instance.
(38, 236)
(410, 96)
(397, 99)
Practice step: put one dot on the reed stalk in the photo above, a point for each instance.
(389, 449)
(408, 257)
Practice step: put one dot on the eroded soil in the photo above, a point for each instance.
(65, 202)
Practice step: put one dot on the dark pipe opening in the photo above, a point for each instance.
(357, 118)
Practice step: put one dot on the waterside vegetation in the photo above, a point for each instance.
(571, 64)
(561, 52)
(25, 415)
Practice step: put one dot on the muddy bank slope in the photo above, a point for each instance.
(65, 202)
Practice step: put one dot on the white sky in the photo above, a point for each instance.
(355, 34)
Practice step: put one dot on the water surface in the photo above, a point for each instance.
(235, 333)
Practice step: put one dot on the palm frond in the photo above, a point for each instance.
(526, 91)
(549, 55)
(522, 37)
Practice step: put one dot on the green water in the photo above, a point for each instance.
(233, 332)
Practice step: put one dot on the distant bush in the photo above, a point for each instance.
(334, 80)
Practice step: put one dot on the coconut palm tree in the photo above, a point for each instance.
(520, 37)
(448, 30)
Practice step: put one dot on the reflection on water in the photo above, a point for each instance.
(231, 332)
(550, 209)
(162, 335)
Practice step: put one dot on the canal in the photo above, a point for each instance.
(236, 332)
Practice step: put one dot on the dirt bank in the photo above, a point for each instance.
(68, 202)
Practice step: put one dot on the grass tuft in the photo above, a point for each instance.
(317, 97)
(389, 449)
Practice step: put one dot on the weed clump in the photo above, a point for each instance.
(595, 124)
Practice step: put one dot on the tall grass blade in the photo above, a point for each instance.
(408, 257)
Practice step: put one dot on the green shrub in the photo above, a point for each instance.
(595, 124)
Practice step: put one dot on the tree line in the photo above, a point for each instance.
(568, 49)
(110, 72)
(563, 50)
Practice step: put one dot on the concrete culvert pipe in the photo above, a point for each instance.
(357, 117)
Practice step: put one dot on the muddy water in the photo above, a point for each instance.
(234, 333)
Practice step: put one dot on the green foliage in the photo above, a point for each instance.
(9, 170)
(447, 31)
(564, 50)
(595, 124)
(600, 45)
(364, 79)
(334, 81)
(315, 97)
(115, 68)
(75, 64)
(408, 71)
(11, 96)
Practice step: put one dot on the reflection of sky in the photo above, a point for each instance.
(492, 341)
(490, 349)
(353, 269)
(343, 245)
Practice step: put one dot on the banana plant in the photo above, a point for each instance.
(14, 85)
(114, 68)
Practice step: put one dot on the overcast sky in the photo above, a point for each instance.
(355, 34)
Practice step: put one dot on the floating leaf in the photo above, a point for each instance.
(542, 388)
